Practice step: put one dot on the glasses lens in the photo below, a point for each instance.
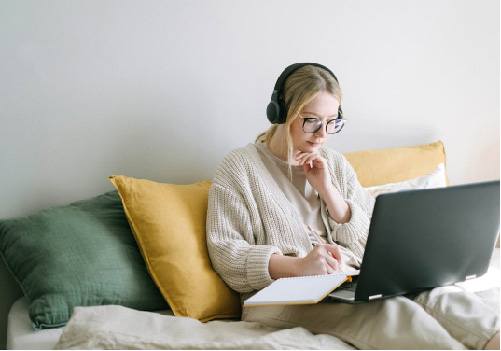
(334, 126)
(311, 125)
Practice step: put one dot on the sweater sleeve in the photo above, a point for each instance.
(231, 242)
(352, 234)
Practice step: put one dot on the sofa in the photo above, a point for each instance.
(121, 269)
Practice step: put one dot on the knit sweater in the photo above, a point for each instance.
(249, 218)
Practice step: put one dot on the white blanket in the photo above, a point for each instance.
(118, 327)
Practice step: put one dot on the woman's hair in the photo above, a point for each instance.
(300, 88)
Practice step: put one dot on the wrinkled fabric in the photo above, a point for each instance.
(117, 327)
(447, 318)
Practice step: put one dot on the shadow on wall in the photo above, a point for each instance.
(161, 149)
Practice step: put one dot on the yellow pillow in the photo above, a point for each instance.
(168, 222)
(383, 166)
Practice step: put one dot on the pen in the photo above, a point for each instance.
(322, 242)
(318, 236)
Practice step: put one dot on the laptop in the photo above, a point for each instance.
(421, 239)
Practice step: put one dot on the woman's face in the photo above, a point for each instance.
(325, 107)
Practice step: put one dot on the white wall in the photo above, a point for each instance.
(164, 89)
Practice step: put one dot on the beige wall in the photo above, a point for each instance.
(163, 89)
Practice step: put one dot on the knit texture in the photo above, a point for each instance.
(249, 218)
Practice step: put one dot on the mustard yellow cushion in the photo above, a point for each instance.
(168, 222)
(383, 166)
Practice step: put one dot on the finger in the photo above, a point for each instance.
(316, 162)
(307, 158)
(329, 269)
(339, 255)
(300, 155)
(335, 251)
(332, 263)
(319, 162)
(329, 258)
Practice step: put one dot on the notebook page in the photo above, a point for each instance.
(297, 290)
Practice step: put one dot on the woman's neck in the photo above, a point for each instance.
(278, 146)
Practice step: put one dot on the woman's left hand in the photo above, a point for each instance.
(316, 171)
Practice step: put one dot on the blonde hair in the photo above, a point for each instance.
(300, 89)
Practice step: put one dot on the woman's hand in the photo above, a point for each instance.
(323, 259)
(316, 171)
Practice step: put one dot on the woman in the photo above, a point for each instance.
(265, 197)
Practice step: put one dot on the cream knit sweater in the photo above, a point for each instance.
(249, 218)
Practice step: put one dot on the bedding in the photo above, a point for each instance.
(118, 327)
(20, 333)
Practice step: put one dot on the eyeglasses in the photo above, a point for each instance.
(313, 125)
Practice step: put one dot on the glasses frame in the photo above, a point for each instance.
(322, 124)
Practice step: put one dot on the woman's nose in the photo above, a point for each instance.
(322, 132)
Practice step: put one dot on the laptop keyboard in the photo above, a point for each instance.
(349, 286)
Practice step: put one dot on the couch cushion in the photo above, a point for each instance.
(82, 254)
(383, 166)
(168, 222)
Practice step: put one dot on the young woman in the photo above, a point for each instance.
(264, 197)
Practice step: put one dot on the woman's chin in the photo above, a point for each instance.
(308, 147)
(313, 146)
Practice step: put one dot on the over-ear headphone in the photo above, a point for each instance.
(276, 110)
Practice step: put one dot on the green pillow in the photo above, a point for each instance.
(82, 254)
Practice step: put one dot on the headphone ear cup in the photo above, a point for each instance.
(275, 109)
(273, 112)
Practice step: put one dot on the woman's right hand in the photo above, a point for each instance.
(323, 259)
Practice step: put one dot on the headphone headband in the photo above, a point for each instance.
(280, 84)
(276, 110)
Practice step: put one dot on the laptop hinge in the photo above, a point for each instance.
(373, 297)
(468, 277)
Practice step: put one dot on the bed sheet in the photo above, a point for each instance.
(190, 333)
(22, 336)
(20, 333)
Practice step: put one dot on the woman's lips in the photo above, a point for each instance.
(314, 144)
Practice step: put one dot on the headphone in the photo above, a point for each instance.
(276, 110)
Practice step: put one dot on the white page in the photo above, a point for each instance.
(297, 290)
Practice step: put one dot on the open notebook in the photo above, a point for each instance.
(298, 290)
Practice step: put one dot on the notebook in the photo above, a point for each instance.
(298, 290)
(418, 239)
